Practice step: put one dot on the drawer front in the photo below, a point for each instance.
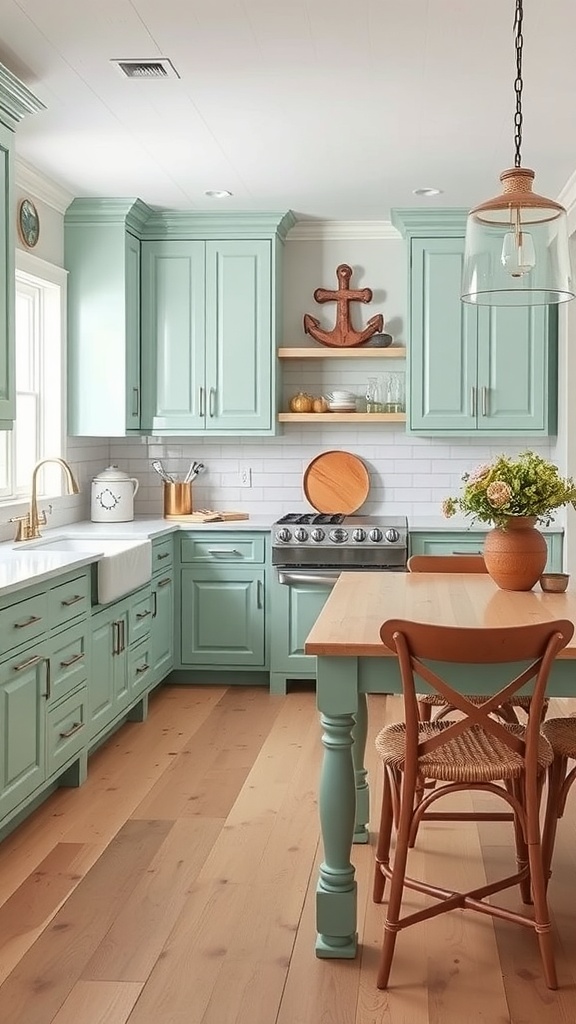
(162, 554)
(232, 548)
(66, 731)
(69, 665)
(139, 618)
(22, 622)
(69, 600)
(139, 668)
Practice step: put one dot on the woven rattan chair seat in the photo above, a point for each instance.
(561, 734)
(438, 701)
(473, 756)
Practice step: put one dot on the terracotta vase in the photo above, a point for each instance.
(515, 556)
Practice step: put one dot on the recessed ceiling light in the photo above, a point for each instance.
(217, 193)
(427, 192)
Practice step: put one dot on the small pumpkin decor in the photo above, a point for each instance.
(320, 404)
(514, 495)
(301, 402)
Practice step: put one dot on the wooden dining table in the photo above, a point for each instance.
(352, 662)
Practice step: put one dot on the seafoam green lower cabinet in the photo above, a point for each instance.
(223, 616)
(109, 680)
(162, 626)
(295, 608)
(23, 690)
(207, 336)
(471, 542)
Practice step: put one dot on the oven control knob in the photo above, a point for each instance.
(359, 534)
(376, 534)
(301, 534)
(283, 535)
(392, 536)
(317, 534)
(339, 535)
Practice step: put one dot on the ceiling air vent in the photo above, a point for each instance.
(160, 67)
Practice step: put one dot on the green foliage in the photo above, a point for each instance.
(526, 486)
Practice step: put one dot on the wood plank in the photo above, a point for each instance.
(99, 1002)
(42, 981)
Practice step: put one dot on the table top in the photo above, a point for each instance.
(360, 602)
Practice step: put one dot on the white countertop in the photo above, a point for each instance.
(418, 524)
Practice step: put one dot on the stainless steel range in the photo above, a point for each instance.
(316, 547)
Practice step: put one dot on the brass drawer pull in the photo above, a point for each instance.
(70, 732)
(165, 582)
(142, 615)
(73, 600)
(29, 622)
(72, 660)
(26, 664)
(142, 668)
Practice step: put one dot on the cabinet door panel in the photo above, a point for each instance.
(22, 746)
(295, 609)
(133, 396)
(222, 617)
(444, 336)
(173, 335)
(162, 631)
(238, 335)
(512, 367)
(7, 291)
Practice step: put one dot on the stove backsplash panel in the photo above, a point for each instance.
(409, 475)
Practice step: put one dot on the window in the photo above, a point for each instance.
(39, 426)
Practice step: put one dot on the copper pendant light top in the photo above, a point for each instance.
(517, 194)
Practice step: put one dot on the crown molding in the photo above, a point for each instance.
(30, 180)
(445, 221)
(332, 230)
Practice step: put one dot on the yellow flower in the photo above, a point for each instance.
(498, 494)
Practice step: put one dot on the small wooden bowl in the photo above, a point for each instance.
(554, 582)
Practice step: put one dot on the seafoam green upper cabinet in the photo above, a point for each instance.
(210, 316)
(102, 255)
(15, 102)
(489, 369)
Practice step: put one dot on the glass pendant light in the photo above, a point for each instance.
(517, 243)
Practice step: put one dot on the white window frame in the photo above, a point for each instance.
(52, 281)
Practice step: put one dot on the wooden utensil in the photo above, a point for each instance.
(336, 481)
(209, 516)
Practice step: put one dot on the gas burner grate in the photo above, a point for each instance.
(312, 518)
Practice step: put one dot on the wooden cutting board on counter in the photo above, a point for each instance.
(208, 516)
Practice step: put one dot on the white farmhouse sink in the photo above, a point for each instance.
(123, 565)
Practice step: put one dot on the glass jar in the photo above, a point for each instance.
(373, 395)
(394, 393)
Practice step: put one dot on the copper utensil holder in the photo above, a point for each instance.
(178, 499)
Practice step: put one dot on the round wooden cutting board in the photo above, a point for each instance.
(336, 482)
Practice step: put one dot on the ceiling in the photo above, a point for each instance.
(334, 109)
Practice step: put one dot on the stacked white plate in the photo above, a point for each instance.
(341, 401)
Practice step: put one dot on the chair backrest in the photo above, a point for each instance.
(417, 644)
(446, 563)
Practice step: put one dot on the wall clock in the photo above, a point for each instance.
(28, 223)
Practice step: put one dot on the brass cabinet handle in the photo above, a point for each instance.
(28, 622)
(34, 660)
(212, 400)
(72, 600)
(72, 660)
(70, 732)
(202, 402)
(484, 401)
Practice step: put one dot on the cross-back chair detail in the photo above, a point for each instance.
(474, 752)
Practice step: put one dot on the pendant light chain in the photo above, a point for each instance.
(518, 84)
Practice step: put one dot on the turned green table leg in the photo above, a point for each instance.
(359, 734)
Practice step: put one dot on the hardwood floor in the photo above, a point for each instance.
(177, 886)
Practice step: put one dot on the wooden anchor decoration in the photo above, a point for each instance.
(343, 334)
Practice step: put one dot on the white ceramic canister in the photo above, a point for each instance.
(113, 496)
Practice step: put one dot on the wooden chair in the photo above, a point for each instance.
(461, 563)
(476, 752)
(561, 734)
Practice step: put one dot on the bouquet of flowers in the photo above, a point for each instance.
(526, 486)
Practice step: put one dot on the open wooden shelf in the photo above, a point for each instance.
(342, 417)
(394, 352)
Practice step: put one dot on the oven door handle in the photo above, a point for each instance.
(327, 579)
